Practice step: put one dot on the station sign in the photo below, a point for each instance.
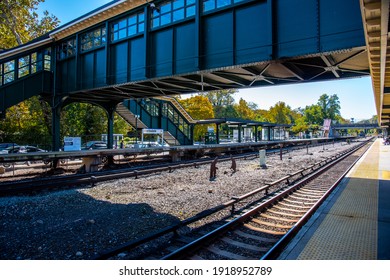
(72, 144)
(152, 131)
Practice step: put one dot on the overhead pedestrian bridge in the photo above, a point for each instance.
(131, 50)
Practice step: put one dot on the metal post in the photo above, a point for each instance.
(281, 151)
(136, 129)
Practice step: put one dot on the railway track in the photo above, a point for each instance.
(32, 185)
(257, 231)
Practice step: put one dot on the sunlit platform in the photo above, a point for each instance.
(354, 222)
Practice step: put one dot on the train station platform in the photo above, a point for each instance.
(354, 222)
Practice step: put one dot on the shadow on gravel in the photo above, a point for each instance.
(71, 225)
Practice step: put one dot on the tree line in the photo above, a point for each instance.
(221, 104)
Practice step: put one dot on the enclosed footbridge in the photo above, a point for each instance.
(128, 50)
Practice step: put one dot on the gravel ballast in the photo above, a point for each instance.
(79, 223)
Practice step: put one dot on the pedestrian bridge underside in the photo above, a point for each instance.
(143, 49)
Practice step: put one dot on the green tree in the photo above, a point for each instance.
(222, 102)
(20, 23)
(244, 111)
(280, 113)
(329, 106)
(300, 125)
(200, 108)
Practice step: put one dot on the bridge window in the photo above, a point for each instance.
(172, 11)
(46, 59)
(8, 72)
(66, 49)
(93, 39)
(127, 27)
(209, 5)
(23, 66)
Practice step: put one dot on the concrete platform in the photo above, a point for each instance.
(354, 222)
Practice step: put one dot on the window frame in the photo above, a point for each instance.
(164, 14)
(93, 39)
(116, 29)
(67, 49)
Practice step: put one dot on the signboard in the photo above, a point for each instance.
(72, 144)
(152, 131)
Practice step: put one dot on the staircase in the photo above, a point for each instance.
(178, 106)
(128, 116)
(148, 119)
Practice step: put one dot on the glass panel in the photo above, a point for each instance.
(115, 27)
(223, 3)
(132, 20)
(47, 65)
(141, 17)
(23, 61)
(208, 5)
(178, 4)
(190, 11)
(190, 2)
(71, 52)
(132, 30)
(122, 34)
(24, 71)
(165, 19)
(165, 8)
(33, 68)
(9, 66)
(97, 33)
(115, 36)
(178, 15)
(156, 13)
(141, 27)
(156, 22)
(122, 24)
(8, 77)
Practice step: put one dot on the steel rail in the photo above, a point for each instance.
(209, 237)
(9, 188)
(275, 251)
(231, 203)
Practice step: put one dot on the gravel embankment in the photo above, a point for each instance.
(78, 223)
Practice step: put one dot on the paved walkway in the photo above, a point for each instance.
(354, 222)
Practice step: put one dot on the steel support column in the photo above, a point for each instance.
(55, 127)
(217, 134)
(256, 131)
(110, 127)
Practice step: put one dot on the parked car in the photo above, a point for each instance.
(4, 146)
(24, 149)
(93, 145)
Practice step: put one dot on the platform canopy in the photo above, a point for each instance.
(376, 26)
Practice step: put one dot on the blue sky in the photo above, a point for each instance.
(356, 95)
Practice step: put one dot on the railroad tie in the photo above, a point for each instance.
(279, 226)
(226, 254)
(255, 237)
